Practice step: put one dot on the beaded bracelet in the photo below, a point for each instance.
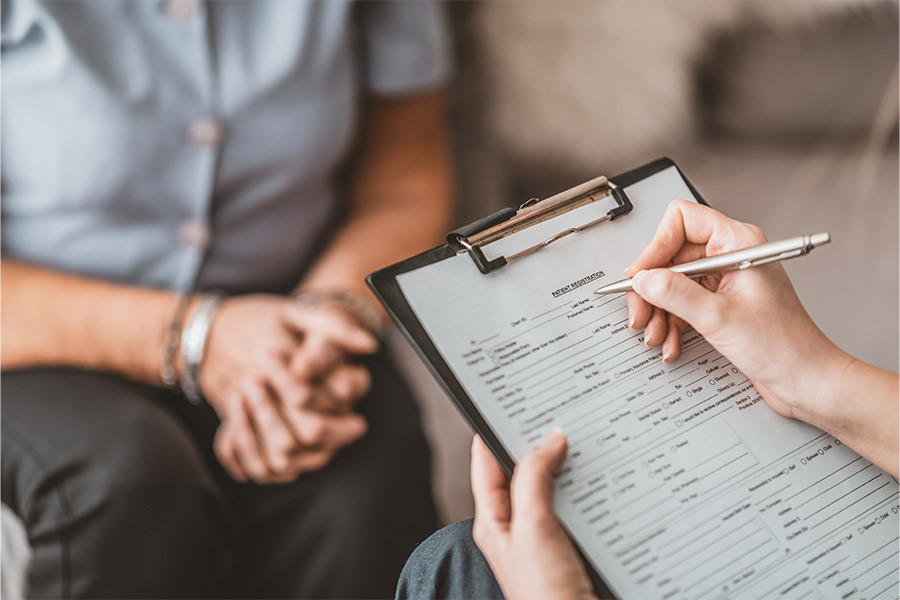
(167, 372)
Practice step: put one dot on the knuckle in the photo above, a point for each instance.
(314, 430)
(319, 461)
(662, 283)
(222, 448)
(280, 444)
(756, 232)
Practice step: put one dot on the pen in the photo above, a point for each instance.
(737, 260)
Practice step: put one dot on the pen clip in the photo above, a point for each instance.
(783, 256)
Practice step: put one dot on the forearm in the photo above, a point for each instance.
(374, 239)
(400, 194)
(52, 318)
(860, 405)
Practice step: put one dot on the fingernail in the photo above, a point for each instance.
(637, 281)
(630, 318)
(666, 356)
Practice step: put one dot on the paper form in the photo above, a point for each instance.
(680, 482)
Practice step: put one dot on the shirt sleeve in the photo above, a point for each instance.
(405, 46)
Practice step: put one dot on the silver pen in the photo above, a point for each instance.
(737, 260)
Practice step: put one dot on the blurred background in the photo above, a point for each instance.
(781, 113)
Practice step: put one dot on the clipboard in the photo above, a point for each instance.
(471, 239)
(383, 283)
(721, 493)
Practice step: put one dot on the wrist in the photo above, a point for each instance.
(193, 343)
(818, 396)
(169, 369)
(359, 307)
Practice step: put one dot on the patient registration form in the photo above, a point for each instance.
(680, 482)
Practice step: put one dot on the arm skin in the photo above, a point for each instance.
(52, 318)
(401, 183)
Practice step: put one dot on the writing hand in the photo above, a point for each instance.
(753, 317)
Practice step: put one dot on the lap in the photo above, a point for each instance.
(105, 478)
(448, 565)
(87, 437)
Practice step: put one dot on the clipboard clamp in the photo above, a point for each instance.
(471, 238)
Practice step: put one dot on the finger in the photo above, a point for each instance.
(306, 462)
(223, 446)
(315, 357)
(246, 449)
(655, 332)
(639, 311)
(688, 253)
(341, 329)
(275, 439)
(289, 391)
(490, 488)
(682, 222)
(671, 346)
(534, 478)
(345, 385)
(321, 431)
(675, 293)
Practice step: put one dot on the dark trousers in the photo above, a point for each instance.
(121, 496)
(448, 565)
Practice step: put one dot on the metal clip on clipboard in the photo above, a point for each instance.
(471, 238)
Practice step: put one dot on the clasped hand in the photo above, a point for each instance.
(279, 375)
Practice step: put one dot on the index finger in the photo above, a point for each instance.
(682, 222)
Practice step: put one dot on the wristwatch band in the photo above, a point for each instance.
(193, 346)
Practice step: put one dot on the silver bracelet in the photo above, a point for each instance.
(193, 346)
(359, 309)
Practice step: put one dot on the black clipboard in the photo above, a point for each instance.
(465, 239)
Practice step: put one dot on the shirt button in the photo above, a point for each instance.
(181, 10)
(194, 234)
(206, 133)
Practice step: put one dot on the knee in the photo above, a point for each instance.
(448, 565)
(150, 461)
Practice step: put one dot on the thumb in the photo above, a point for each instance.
(533, 480)
(677, 294)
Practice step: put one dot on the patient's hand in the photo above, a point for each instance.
(278, 375)
(753, 317)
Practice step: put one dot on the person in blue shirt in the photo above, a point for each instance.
(194, 403)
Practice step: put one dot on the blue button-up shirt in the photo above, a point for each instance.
(185, 143)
